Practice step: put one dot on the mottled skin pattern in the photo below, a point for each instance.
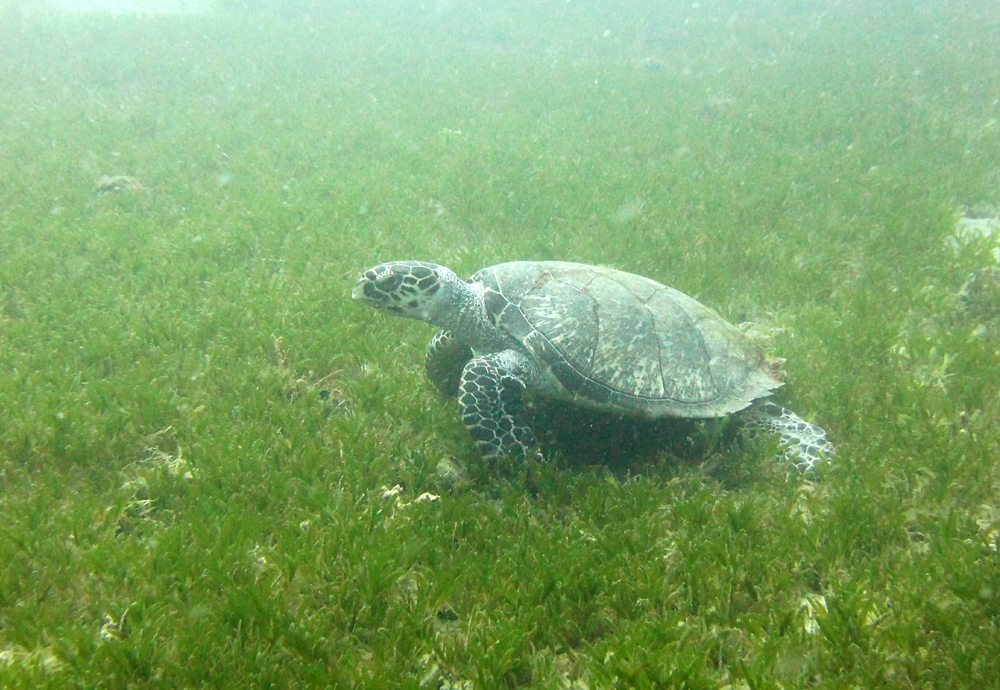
(491, 398)
(446, 357)
(594, 336)
(803, 444)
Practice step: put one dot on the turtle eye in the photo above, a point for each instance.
(390, 282)
(372, 292)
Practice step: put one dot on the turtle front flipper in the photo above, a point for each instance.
(804, 445)
(491, 400)
(445, 359)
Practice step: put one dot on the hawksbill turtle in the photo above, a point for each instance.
(594, 336)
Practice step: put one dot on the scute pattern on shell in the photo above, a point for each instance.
(620, 341)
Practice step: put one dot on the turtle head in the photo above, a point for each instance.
(414, 289)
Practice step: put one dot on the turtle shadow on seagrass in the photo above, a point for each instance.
(588, 335)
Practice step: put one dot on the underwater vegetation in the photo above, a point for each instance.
(216, 470)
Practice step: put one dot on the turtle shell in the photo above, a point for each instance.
(614, 340)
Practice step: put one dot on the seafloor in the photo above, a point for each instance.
(216, 470)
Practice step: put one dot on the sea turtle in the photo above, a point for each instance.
(117, 183)
(590, 335)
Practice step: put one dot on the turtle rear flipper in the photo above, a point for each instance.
(491, 399)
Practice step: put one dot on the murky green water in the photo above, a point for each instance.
(218, 470)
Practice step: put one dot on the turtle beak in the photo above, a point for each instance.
(365, 289)
(359, 288)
